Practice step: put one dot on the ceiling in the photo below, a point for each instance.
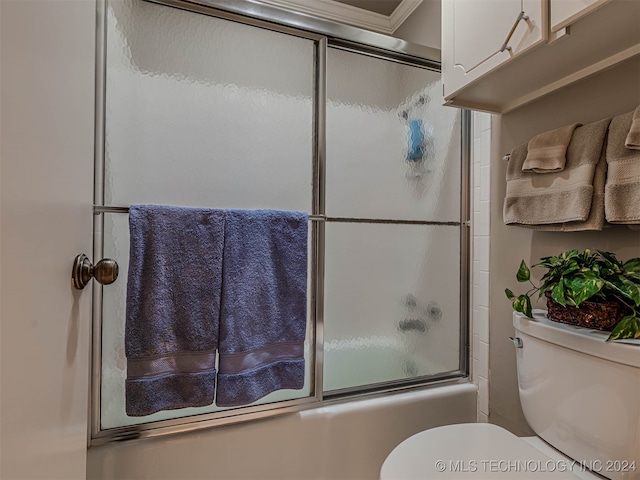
(383, 7)
(383, 16)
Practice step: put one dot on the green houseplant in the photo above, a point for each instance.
(598, 280)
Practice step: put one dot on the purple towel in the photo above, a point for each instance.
(264, 305)
(173, 305)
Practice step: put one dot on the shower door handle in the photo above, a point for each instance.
(105, 271)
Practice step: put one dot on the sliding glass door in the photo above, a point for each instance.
(207, 108)
(393, 230)
(202, 112)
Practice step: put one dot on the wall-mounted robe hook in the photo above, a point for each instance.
(105, 271)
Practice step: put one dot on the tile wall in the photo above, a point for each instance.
(480, 158)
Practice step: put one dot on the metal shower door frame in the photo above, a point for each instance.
(323, 34)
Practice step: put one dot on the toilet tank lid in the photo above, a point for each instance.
(473, 451)
(584, 340)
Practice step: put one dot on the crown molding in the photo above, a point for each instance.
(402, 12)
(340, 12)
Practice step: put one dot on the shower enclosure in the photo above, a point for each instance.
(203, 106)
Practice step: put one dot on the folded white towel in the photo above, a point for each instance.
(595, 221)
(565, 197)
(633, 137)
(622, 191)
(547, 152)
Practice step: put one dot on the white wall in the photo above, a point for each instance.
(610, 93)
(423, 25)
(47, 115)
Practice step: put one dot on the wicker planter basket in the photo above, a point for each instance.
(595, 315)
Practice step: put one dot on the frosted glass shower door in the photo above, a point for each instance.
(203, 111)
(392, 303)
(206, 112)
(393, 151)
(393, 232)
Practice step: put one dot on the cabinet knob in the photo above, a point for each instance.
(105, 271)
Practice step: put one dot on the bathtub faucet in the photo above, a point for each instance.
(412, 324)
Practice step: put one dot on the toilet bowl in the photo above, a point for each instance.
(477, 451)
(580, 395)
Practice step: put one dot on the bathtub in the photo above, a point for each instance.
(342, 440)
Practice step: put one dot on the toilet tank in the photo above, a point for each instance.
(581, 394)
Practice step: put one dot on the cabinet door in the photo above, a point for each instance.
(565, 12)
(474, 31)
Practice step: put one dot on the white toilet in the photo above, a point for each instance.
(580, 395)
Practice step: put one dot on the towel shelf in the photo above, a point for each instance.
(105, 271)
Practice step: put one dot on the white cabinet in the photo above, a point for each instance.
(565, 12)
(561, 42)
(481, 35)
